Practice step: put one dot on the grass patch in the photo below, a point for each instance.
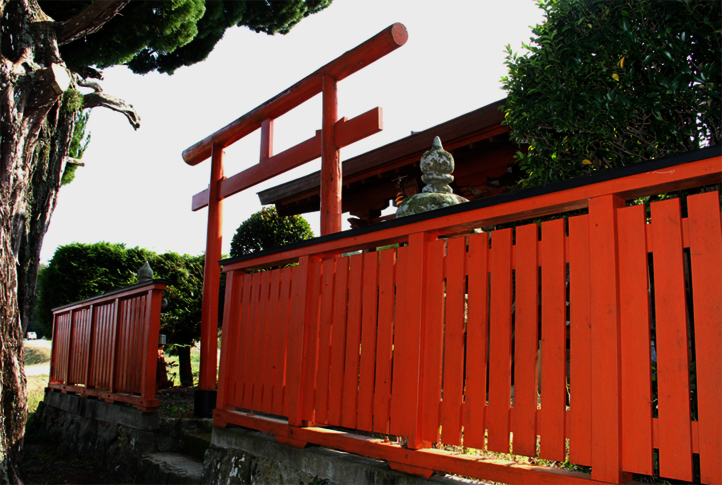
(36, 355)
(36, 391)
(172, 366)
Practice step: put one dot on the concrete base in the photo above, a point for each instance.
(239, 456)
(112, 414)
(204, 402)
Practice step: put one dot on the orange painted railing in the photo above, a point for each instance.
(596, 338)
(107, 346)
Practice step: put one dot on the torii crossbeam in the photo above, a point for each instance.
(334, 134)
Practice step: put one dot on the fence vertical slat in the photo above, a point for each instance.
(636, 341)
(353, 340)
(259, 362)
(500, 341)
(302, 281)
(476, 341)
(115, 332)
(282, 341)
(407, 339)
(384, 341)
(150, 331)
(272, 355)
(675, 436)
(251, 342)
(310, 353)
(368, 341)
(69, 361)
(338, 344)
(553, 335)
(230, 341)
(89, 356)
(605, 344)
(526, 338)
(241, 365)
(580, 321)
(706, 262)
(431, 364)
(324, 341)
(454, 341)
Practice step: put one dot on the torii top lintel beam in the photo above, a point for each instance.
(348, 63)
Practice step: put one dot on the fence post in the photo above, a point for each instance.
(297, 341)
(405, 399)
(605, 341)
(149, 350)
(114, 344)
(88, 362)
(230, 337)
(69, 362)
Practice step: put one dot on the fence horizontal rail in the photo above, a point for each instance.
(593, 338)
(106, 346)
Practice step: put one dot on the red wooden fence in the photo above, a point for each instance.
(107, 346)
(544, 333)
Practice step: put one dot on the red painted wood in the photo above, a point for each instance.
(636, 341)
(259, 347)
(266, 139)
(272, 354)
(433, 340)
(242, 366)
(526, 338)
(553, 341)
(500, 341)
(347, 132)
(282, 341)
(454, 337)
(115, 343)
(349, 403)
(296, 339)
(338, 345)
(606, 412)
(350, 62)
(384, 341)
(369, 324)
(251, 337)
(230, 341)
(412, 267)
(331, 177)
(324, 344)
(432, 459)
(151, 327)
(580, 322)
(310, 352)
(476, 343)
(212, 276)
(675, 448)
(706, 263)
(685, 176)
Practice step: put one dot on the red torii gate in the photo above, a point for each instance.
(334, 134)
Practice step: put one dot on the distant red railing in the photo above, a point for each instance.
(107, 346)
(541, 332)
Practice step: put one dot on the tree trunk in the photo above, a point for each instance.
(184, 366)
(32, 80)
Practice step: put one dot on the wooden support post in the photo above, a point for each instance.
(331, 176)
(212, 276)
(149, 355)
(605, 341)
(267, 139)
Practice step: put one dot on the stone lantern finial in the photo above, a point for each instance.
(145, 273)
(437, 165)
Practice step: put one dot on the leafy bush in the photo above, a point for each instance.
(607, 83)
(266, 229)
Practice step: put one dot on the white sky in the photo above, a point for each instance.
(136, 189)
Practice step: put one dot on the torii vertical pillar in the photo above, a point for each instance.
(205, 398)
(331, 177)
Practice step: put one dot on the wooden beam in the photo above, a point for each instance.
(347, 132)
(361, 56)
(331, 177)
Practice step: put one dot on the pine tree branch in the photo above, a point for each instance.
(89, 20)
(99, 98)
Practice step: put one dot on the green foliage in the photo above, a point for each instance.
(607, 83)
(163, 35)
(79, 271)
(266, 229)
(78, 145)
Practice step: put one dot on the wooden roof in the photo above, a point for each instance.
(478, 141)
